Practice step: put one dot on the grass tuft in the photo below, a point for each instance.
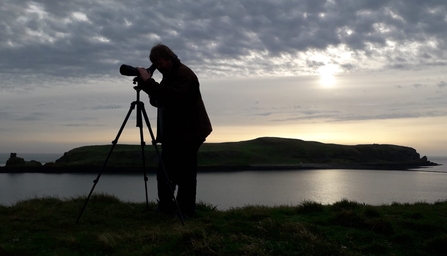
(308, 207)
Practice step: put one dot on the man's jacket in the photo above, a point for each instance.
(182, 116)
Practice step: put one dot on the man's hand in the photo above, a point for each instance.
(144, 74)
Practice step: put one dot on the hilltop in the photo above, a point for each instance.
(260, 153)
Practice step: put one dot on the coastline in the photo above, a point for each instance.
(303, 166)
(252, 155)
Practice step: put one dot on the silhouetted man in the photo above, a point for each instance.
(182, 127)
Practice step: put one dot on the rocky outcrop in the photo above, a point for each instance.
(15, 161)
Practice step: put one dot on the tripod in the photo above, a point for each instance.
(141, 112)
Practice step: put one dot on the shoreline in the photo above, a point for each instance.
(208, 169)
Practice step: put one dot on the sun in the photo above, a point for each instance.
(327, 78)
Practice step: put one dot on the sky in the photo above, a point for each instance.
(335, 71)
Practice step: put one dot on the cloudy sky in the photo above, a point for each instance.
(334, 71)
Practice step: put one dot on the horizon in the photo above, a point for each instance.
(360, 72)
(206, 142)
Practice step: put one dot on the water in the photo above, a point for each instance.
(237, 189)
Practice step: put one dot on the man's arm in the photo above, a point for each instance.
(174, 90)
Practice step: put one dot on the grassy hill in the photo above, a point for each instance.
(257, 153)
(280, 151)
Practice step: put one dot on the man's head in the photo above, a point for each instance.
(162, 57)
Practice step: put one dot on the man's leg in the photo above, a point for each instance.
(187, 181)
(165, 189)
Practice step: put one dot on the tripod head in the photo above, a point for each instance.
(137, 88)
(136, 80)
(127, 70)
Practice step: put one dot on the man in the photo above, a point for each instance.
(182, 127)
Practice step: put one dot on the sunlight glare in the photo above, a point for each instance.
(327, 78)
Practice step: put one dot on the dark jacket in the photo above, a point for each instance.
(182, 116)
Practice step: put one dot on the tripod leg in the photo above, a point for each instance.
(154, 143)
(132, 107)
(140, 125)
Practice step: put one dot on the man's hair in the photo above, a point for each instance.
(161, 51)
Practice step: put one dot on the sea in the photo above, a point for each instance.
(227, 190)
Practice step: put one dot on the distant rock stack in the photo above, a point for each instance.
(15, 161)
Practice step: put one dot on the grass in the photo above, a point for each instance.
(46, 226)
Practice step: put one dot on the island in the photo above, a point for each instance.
(265, 153)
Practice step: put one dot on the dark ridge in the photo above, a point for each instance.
(266, 153)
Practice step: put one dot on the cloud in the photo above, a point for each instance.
(259, 62)
(83, 125)
(57, 39)
(390, 116)
(19, 116)
(111, 106)
(418, 85)
(442, 84)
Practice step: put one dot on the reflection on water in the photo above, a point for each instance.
(237, 189)
(324, 186)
